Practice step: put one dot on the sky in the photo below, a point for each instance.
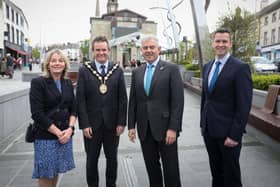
(62, 21)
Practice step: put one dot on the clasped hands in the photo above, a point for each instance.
(65, 135)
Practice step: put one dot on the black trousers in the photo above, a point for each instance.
(224, 162)
(110, 142)
(152, 152)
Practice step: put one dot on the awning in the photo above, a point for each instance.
(19, 51)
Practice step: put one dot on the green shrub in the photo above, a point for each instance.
(262, 82)
(192, 67)
(197, 73)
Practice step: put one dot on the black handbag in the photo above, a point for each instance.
(31, 129)
(30, 133)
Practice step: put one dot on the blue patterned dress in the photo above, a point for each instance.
(52, 158)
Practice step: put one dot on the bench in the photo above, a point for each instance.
(266, 119)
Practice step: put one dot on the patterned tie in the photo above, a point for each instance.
(215, 76)
(102, 70)
(149, 78)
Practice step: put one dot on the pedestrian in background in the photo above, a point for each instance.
(3, 67)
(102, 111)
(10, 65)
(53, 110)
(225, 106)
(156, 105)
(30, 61)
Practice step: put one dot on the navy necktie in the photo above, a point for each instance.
(149, 78)
(215, 76)
(102, 70)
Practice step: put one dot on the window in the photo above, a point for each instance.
(265, 39)
(273, 36)
(13, 35)
(266, 20)
(278, 34)
(273, 17)
(21, 38)
(17, 36)
(8, 31)
(17, 18)
(7, 12)
(13, 15)
(21, 22)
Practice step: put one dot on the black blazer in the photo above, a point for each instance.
(225, 110)
(163, 108)
(44, 99)
(95, 108)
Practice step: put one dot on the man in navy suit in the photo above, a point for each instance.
(102, 109)
(156, 105)
(225, 106)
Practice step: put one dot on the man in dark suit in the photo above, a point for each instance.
(156, 104)
(225, 106)
(102, 111)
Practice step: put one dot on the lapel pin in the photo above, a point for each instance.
(161, 68)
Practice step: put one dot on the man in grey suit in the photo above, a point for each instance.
(156, 105)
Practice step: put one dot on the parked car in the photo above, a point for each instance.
(277, 63)
(263, 65)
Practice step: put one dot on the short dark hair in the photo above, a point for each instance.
(223, 30)
(99, 39)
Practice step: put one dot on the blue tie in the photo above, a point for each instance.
(215, 76)
(102, 70)
(149, 78)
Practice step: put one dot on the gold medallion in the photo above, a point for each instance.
(103, 88)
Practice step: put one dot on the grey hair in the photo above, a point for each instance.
(150, 37)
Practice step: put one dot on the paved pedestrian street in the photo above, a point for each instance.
(260, 160)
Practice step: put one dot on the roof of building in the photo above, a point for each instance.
(120, 12)
(270, 8)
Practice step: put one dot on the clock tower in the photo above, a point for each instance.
(112, 6)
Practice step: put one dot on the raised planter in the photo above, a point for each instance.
(188, 74)
(28, 76)
(259, 96)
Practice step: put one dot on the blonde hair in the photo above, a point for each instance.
(47, 72)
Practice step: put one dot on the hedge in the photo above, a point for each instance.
(192, 67)
(262, 82)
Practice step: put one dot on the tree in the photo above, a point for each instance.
(36, 53)
(85, 48)
(243, 26)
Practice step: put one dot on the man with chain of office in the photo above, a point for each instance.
(102, 110)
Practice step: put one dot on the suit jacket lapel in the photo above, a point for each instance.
(225, 69)
(156, 75)
(52, 87)
(142, 70)
(207, 75)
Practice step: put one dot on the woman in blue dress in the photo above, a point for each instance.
(53, 109)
